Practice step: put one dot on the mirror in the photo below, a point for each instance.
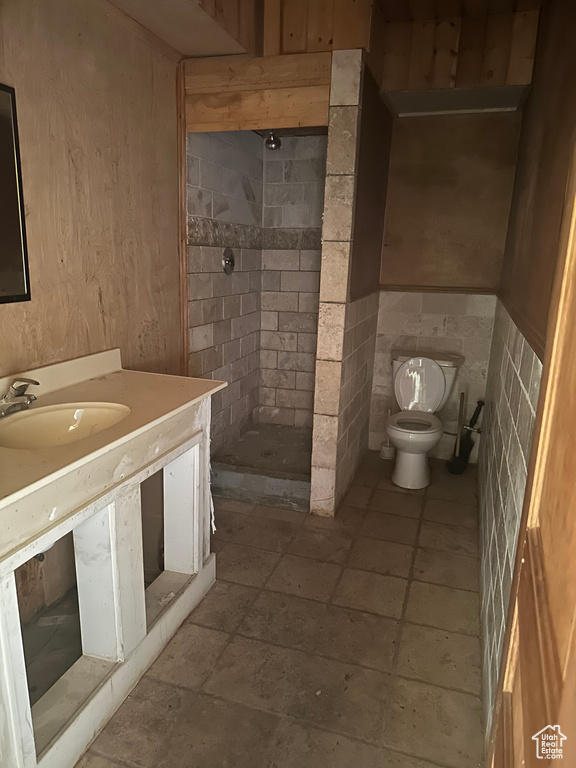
(14, 278)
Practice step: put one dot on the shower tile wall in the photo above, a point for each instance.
(428, 323)
(224, 199)
(511, 401)
(293, 199)
(257, 328)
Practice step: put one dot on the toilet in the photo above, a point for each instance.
(421, 386)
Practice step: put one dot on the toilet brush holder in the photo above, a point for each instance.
(387, 451)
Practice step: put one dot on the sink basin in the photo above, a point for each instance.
(55, 425)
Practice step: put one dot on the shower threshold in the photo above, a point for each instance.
(269, 464)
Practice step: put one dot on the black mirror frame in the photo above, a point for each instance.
(23, 296)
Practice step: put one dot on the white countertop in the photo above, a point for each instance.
(151, 397)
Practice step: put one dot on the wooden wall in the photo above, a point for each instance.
(449, 191)
(275, 27)
(305, 26)
(546, 145)
(458, 51)
(242, 19)
(239, 93)
(371, 189)
(97, 121)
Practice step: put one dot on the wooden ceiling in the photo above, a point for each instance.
(415, 10)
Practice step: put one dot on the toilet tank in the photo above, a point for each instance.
(448, 361)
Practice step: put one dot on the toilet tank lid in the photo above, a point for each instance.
(446, 359)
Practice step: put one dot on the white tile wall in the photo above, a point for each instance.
(428, 323)
(511, 400)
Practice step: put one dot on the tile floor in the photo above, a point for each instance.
(346, 643)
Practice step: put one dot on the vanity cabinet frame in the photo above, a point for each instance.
(124, 626)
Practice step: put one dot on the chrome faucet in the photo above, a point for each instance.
(17, 398)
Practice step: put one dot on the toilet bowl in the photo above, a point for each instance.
(421, 386)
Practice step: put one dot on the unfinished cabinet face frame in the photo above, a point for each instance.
(123, 626)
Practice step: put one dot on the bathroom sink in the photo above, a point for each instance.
(54, 425)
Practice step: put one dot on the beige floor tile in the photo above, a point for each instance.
(461, 488)
(245, 565)
(302, 746)
(435, 724)
(224, 606)
(386, 484)
(401, 504)
(160, 726)
(284, 620)
(305, 578)
(386, 557)
(348, 520)
(265, 533)
(227, 524)
(357, 496)
(277, 513)
(451, 513)
(449, 538)
(367, 478)
(217, 545)
(317, 691)
(453, 609)
(371, 592)
(189, 657)
(447, 569)
(441, 658)
(396, 760)
(90, 760)
(232, 505)
(330, 546)
(379, 525)
(357, 637)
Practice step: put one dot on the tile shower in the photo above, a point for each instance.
(255, 328)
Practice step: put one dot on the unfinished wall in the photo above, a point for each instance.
(224, 203)
(546, 146)
(428, 323)
(96, 109)
(511, 400)
(96, 103)
(294, 177)
(449, 192)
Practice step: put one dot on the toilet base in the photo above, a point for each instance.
(411, 470)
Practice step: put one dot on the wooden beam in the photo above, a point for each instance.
(258, 109)
(243, 73)
(471, 51)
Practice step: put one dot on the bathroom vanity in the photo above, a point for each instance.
(74, 462)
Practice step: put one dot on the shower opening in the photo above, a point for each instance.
(256, 327)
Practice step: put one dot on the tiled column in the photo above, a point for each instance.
(337, 236)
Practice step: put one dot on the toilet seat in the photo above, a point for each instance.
(419, 385)
(415, 422)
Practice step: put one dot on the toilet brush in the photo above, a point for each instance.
(387, 451)
(464, 442)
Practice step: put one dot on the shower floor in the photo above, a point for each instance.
(269, 464)
(271, 448)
